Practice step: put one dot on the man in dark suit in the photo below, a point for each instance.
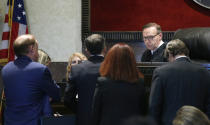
(26, 84)
(178, 83)
(152, 36)
(83, 78)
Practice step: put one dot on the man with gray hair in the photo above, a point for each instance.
(178, 83)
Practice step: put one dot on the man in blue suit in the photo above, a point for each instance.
(178, 83)
(83, 80)
(26, 84)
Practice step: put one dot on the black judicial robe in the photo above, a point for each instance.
(158, 55)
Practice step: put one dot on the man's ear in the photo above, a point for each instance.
(30, 49)
(87, 52)
(161, 36)
(171, 58)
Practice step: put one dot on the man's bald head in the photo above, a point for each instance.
(25, 45)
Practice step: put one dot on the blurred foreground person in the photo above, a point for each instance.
(26, 83)
(120, 93)
(190, 115)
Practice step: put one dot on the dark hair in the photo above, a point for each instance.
(22, 43)
(120, 64)
(189, 115)
(95, 43)
(176, 47)
(153, 25)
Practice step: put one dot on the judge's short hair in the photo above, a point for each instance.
(157, 26)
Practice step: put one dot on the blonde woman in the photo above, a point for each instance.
(75, 58)
(43, 57)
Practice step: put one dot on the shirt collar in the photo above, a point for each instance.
(98, 55)
(179, 57)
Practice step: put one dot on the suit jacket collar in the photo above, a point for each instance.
(96, 58)
(26, 58)
(186, 59)
(159, 49)
(22, 61)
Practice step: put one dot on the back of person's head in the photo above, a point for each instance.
(189, 115)
(75, 58)
(120, 64)
(176, 47)
(22, 43)
(95, 44)
(139, 121)
(157, 26)
(44, 58)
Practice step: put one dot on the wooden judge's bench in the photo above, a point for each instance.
(147, 69)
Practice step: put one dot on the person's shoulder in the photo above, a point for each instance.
(80, 66)
(164, 68)
(38, 65)
(146, 56)
(146, 51)
(8, 65)
(163, 46)
(101, 82)
(199, 66)
(139, 82)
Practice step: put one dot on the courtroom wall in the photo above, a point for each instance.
(55, 23)
(131, 15)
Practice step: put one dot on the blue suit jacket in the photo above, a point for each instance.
(26, 84)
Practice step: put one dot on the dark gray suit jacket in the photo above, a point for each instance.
(177, 84)
(83, 82)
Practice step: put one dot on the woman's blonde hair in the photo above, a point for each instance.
(43, 57)
(68, 68)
